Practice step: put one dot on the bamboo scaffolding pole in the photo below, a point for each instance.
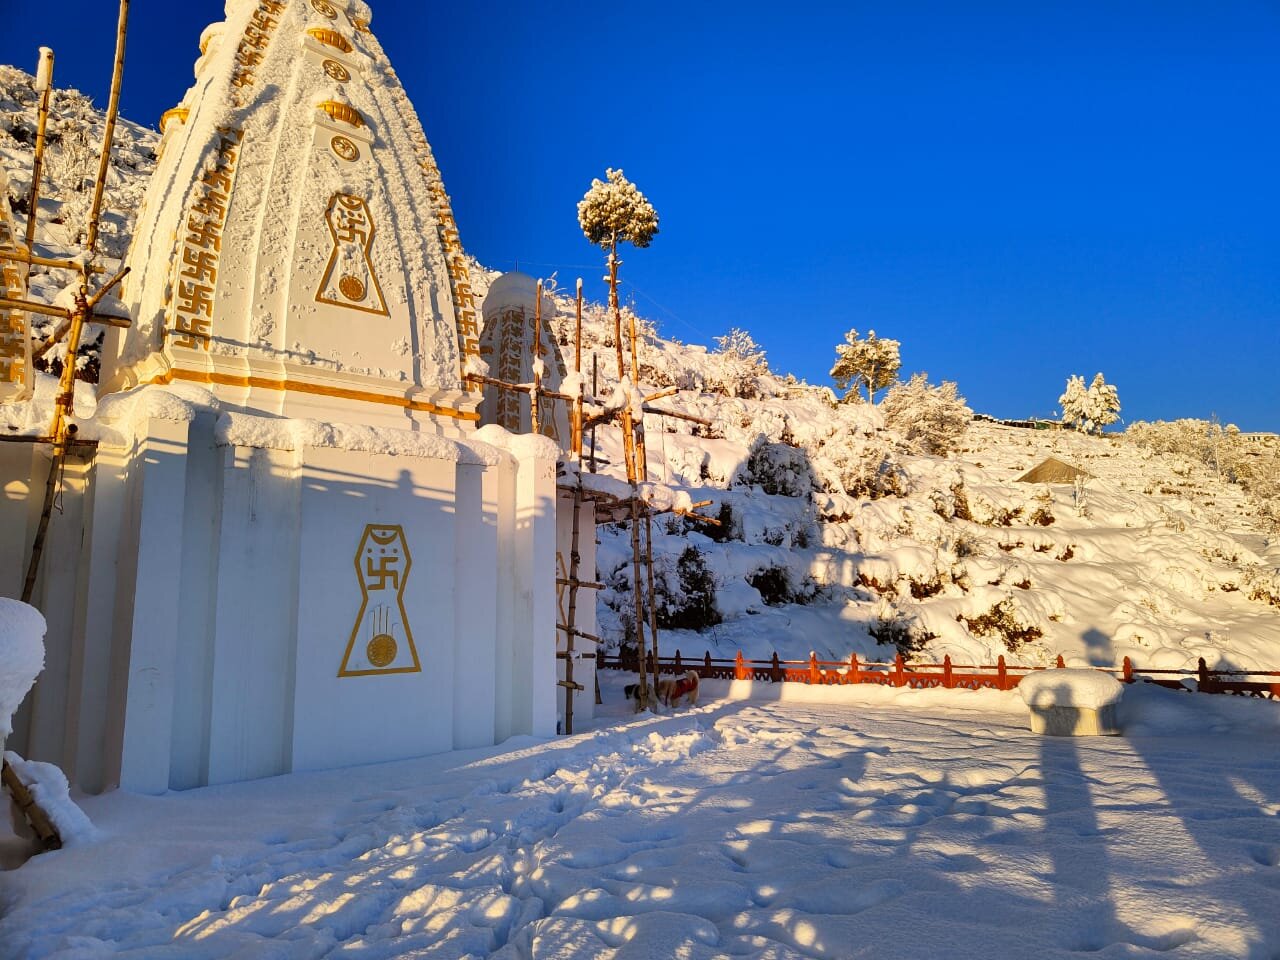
(669, 392)
(653, 607)
(662, 412)
(25, 256)
(58, 430)
(113, 109)
(571, 621)
(44, 85)
(537, 357)
(576, 439)
(39, 820)
(595, 388)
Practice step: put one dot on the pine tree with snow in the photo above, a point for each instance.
(614, 211)
(872, 363)
(1089, 410)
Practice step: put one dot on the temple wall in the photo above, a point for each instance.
(220, 612)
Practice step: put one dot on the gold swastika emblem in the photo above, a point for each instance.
(381, 641)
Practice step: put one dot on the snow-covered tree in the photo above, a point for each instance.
(1092, 409)
(614, 211)
(739, 362)
(872, 363)
(933, 417)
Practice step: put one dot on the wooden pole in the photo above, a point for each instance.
(613, 304)
(58, 430)
(577, 369)
(113, 108)
(653, 607)
(44, 85)
(537, 357)
(35, 816)
(574, 560)
(595, 390)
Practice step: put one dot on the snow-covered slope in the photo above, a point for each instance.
(838, 530)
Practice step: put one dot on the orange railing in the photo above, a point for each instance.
(900, 673)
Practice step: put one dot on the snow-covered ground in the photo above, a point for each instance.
(878, 823)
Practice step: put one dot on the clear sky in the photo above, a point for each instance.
(1016, 191)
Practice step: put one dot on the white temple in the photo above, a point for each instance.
(293, 547)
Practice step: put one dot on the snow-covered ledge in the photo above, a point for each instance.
(1072, 703)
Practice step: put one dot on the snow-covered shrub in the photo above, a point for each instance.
(932, 417)
(1002, 620)
(872, 363)
(685, 598)
(776, 587)
(739, 363)
(777, 468)
(906, 634)
(1092, 409)
(728, 527)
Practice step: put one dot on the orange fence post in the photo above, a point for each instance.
(1202, 669)
(853, 668)
(947, 680)
(1061, 663)
(678, 669)
(1002, 674)
(899, 679)
(706, 664)
(775, 673)
(1128, 670)
(814, 676)
(739, 668)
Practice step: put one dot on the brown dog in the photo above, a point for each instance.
(671, 690)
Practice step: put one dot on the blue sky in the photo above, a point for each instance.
(1017, 192)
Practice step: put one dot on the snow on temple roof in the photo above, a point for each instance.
(296, 250)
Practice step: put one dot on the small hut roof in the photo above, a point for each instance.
(1052, 470)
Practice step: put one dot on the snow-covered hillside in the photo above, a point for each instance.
(839, 533)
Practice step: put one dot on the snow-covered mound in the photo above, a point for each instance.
(851, 527)
(22, 629)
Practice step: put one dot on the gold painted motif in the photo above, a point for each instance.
(342, 112)
(177, 113)
(196, 264)
(381, 641)
(331, 38)
(324, 9)
(349, 279)
(253, 45)
(15, 336)
(359, 25)
(345, 148)
(336, 71)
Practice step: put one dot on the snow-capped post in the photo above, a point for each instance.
(1062, 664)
(853, 669)
(1002, 673)
(775, 671)
(899, 671)
(872, 363)
(1128, 670)
(947, 680)
(537, 359)
(44, 87)
(815, 675)
(739, 667)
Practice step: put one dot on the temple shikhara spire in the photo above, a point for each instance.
(296, 252)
